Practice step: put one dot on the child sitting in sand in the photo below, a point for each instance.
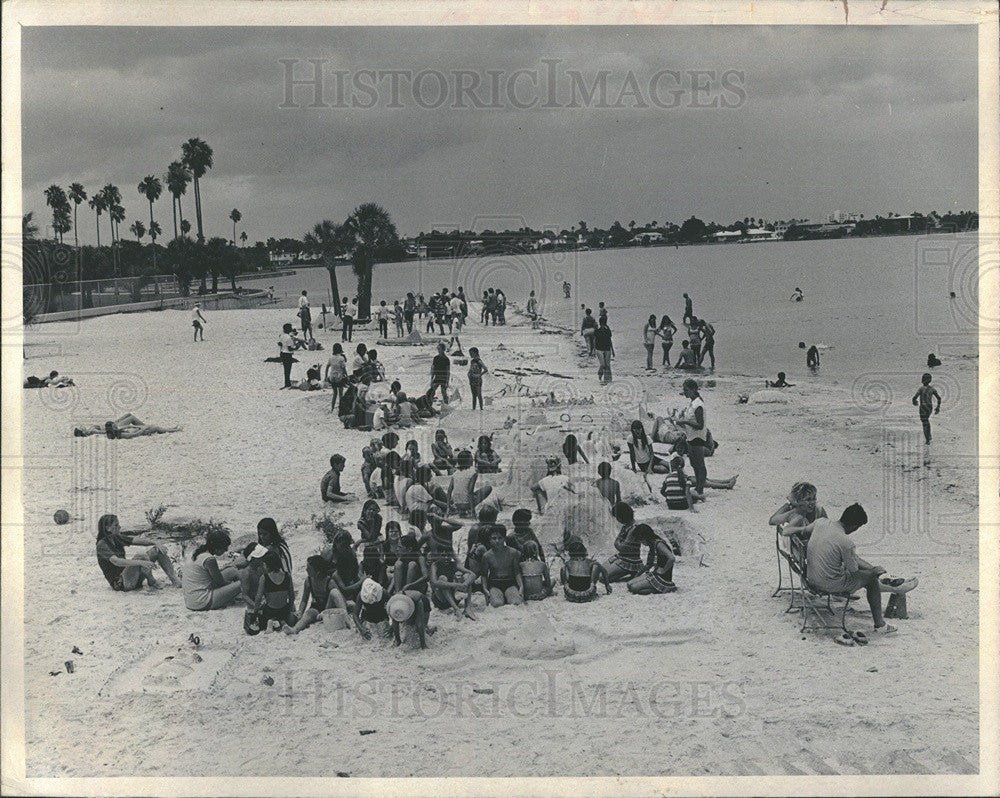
(275, 597)
(580, 574)
(410, 579)
(686, 358)
(391, 464)
(778, 383)
(441, 451)
(501, 572)
(321, 588)
(451, 584)
(487, 460)
(370, 540)
(610, 489)
(465, 496)
(371, 609)
(534, 573)
(370, 457)
(523, 535)
(657, 577)
(329, 486)
(675, 488)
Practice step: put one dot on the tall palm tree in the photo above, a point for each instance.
(235, 215)
(55, 198)
(78, 194)
(99, 206)
(197, 158)
(151, 188)
(185, 227)
(330, 240)
(371, 230)
(138, 230)
(116, 213)
(177, 180)
(243, 238)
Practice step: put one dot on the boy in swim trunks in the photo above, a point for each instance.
(501, 573)
(923, 399)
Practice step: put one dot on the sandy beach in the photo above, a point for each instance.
(714, 679)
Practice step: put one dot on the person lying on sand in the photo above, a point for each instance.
(580, 574)
(835, 567)
(128, 426)
(778, 383)
(129, 573)
(52, 381)
(659, 571)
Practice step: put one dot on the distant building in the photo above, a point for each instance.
(725, 236)
(646, 238)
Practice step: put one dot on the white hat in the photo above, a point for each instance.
(400, 607)
(371, 591)
(258, 551)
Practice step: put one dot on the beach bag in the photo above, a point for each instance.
(252, 623)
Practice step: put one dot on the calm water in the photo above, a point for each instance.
(875, 307)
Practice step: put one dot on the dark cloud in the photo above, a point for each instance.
(867, 119)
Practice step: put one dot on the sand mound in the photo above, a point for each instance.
(768, 397)
(534, 637)
(169, 668)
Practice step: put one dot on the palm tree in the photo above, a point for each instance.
(177, 180)
(235, 215)
(185, 227)
(330, 240)
(138, 230)
(28, 227)
(370, 229)
(99, 206)
(243, 238)
(78, 195)
(197, 158)
(55, 198)
(116, 213)
(151, 188)
(154, 232)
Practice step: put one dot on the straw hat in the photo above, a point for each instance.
(371, 591)
(400, 607)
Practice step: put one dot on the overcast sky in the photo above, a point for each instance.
(857, 119)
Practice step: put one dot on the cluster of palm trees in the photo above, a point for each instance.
(196, 159)
(365, 234)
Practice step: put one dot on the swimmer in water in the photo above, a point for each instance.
(796, 295)
(779, 383)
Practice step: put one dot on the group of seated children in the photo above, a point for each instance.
(358, 411)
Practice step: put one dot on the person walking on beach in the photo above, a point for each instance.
(285, 347)
(336, 374)
(688, 310)
(197, 321)
(649, 340)
(588, 328)
(441, 372)
(305, 315)
(923, 399)
(347, 317)
(605, 351)
(666, 332)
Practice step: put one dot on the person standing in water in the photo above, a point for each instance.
(923, 400)
(197, 321)
(688, 310)
(812, 357)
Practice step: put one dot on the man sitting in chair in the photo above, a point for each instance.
(834, 567)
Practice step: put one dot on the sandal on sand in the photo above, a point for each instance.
(845, 639)
(890, 580)
(860, 638)
(885, 629)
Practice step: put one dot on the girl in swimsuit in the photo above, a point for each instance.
(626, 563)
(534, 574)
(640, 449)
(370, 527)
(580, 574)
(275, 597)
(319, 592)
(450, 583)
(666, 331)
(659, 573)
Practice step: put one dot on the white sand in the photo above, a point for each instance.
(713, 679)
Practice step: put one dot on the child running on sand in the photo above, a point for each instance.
(923, 400)
(580, 574)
